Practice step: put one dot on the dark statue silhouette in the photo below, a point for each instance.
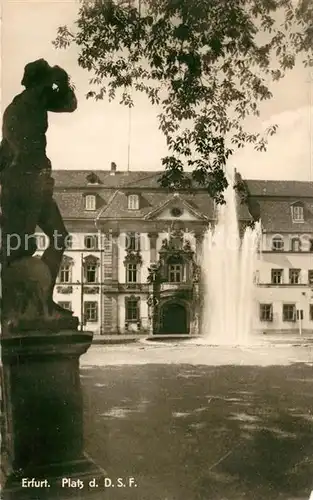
(27, 195)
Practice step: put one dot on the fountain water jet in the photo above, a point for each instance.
(227, 268)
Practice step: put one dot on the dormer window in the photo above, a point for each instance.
(133, 202)
(297, 212)
(90, 202)
(92, 178)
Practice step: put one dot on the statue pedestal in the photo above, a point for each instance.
(42, 449)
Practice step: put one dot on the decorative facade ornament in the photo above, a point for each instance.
(176, 212)
(132, 286)
(66, 260)
(196, 272)
(91, 259)
(155, 272)
(91, 289)
(65, 289)
(187, 247)
(133, 257)
(176, 248)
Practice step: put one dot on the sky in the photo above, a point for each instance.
(101, 132)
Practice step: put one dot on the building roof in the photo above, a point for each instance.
(276, 217)
(150, 180)
(114, 205)
(120, 179)
(274, 198)
(293, 189)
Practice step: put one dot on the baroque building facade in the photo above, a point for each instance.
(132, 262)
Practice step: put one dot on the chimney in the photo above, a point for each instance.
(113, 168)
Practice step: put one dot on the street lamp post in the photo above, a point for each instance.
(155, 299)
(82, 318)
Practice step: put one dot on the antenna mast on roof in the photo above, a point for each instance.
(130, 108)
(311, 126)
(129, 137)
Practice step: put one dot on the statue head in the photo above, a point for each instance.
(40, 73)
(36, 73)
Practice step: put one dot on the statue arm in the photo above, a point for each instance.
(61, 95)
(62, 100)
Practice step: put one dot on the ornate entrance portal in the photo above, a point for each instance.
(174, 319)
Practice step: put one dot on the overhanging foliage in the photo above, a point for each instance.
(207, 65)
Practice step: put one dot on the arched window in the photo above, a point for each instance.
(133, 202)
(277, 244)
(91, 242)
(295, 245)
(132, 242)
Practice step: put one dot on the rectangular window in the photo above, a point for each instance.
(131, 273)
(133, 202)
(289, 312)
(66, 305)
(90, 202)
(266, 312)
(91, 311)
(65, 273)
(91, 242)
(294, 276)
(132, 312)
(175, 273)
(277, 276)
(311, 312)
(310, 276)
(91, 272)
(297, 213)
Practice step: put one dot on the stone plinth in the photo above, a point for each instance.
(43, 417)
